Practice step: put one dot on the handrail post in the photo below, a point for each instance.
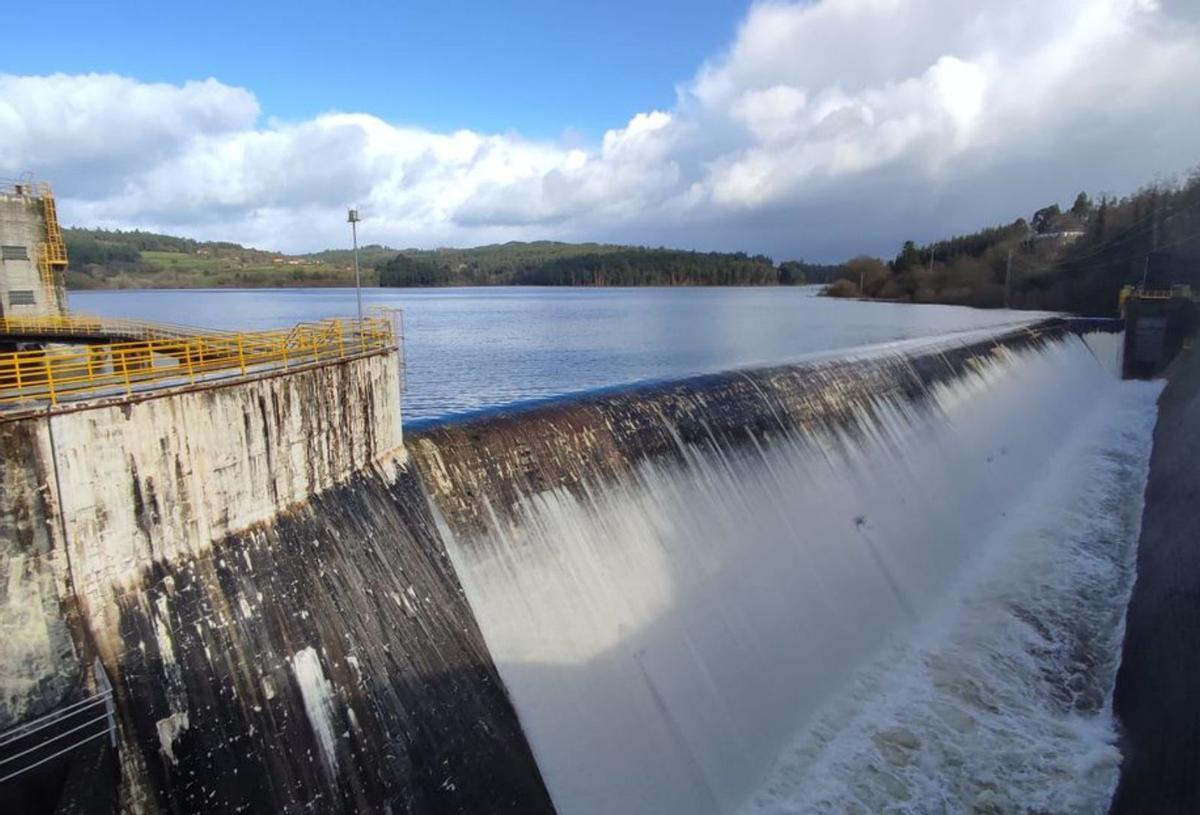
(49, 378)
(187, 355)
(341, 338)
(17, 367)
(125, 371)
(241, 354)
(105, 686)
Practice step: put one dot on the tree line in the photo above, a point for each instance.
(1062, 260)
(556, 264)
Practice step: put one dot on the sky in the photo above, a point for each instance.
(814, 130)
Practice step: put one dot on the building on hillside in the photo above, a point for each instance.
(33, 257)
(1064, 236)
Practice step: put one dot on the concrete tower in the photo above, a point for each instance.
(33, 257)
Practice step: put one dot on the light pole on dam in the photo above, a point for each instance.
(353, 220)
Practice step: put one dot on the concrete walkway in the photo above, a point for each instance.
(1157, 697)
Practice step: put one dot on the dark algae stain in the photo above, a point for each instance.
(410, 712)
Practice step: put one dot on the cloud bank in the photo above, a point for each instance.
(824, 130)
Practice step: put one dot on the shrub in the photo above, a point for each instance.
(842, 288)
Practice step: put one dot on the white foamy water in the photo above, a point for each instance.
(1001, 702)
(922, 615)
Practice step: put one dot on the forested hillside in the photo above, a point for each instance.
(546, 263)
(134, 259)
(1063, 260)
(112, 259)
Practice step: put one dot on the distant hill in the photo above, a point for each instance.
(110, 259)
(550, 263)
(117, 259)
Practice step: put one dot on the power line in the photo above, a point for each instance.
(1129, 235)
(1073, 263)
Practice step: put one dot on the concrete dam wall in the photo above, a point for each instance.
(662, 599)
(256, 567)
(678, 581)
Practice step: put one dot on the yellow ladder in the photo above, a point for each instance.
(52, 255)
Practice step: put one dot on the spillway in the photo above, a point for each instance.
(892, 580)
(895, 579)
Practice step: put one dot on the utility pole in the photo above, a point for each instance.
(353, 220)
(1008, 281)
(1153, 241)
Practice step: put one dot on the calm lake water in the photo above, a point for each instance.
(472, 348)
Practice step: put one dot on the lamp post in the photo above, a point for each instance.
(353, 219)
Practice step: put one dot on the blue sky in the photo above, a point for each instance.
(540, 68)
(800, 129)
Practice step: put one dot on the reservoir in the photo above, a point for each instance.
(472, 348)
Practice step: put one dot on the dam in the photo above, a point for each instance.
(867, 579)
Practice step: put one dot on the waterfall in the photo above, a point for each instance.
(732, 592)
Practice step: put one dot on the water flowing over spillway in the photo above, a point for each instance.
(896, 580)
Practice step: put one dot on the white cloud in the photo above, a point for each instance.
(824, 129)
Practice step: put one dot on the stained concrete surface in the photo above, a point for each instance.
(1156, 698)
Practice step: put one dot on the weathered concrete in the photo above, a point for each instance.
(323, 661)
(22, 226)
(40, 665)
(95, 492)
(1156, 699)
(258, 570)
(162, 478)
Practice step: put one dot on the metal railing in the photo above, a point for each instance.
(1128, 292)
(84, 326)
(38, 741)
(60, 373)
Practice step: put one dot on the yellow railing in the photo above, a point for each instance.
(59, 373)
(84, 326)
(1175, 292)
